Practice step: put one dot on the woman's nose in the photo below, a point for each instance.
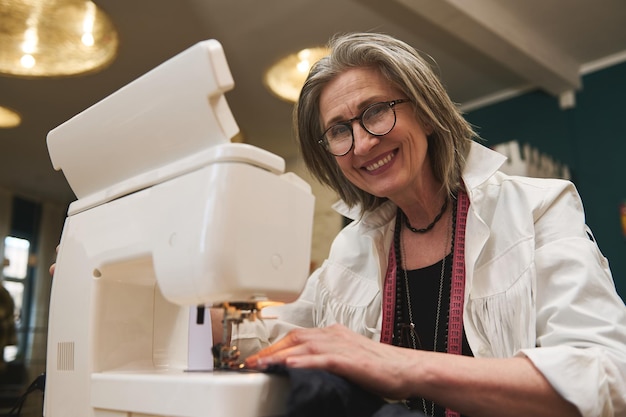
(363, 140)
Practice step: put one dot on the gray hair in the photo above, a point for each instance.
(402, 65)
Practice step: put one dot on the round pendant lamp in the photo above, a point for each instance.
(54, 38)
(286, 77)
(9, 118)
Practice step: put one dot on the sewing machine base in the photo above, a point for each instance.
(188, 394)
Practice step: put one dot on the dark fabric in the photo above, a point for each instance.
(322, 394)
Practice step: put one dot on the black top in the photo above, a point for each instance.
(424, 293)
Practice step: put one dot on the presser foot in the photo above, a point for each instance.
(226, 357)
(225, 354)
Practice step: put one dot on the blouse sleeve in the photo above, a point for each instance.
(581, 320)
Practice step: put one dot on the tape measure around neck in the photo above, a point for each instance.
(457, 288)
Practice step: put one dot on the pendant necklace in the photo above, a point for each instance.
(412, 331)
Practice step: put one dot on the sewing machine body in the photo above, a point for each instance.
(201, 223)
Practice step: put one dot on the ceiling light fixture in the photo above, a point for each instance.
(9, 118)
(44, 38)
(286, 77)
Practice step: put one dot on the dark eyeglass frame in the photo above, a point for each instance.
(348, 123)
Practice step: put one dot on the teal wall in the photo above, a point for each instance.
(590, 138)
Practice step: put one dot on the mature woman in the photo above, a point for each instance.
(456, 286)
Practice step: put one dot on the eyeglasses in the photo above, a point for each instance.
(377, 119)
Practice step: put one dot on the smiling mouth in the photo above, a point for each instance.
(380, 163)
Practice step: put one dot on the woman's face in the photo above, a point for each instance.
(394, 165)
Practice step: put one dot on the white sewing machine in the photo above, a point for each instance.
(169, 216)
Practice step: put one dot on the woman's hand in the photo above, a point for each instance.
(472, 386)
(377, 367)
